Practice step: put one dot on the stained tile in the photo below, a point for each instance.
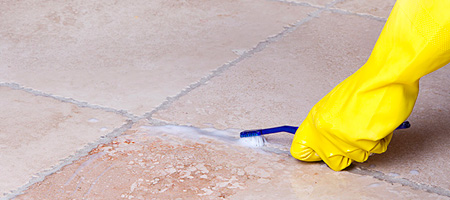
(38, 132)
(188, 163)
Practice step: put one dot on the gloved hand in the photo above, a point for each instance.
(358, 116)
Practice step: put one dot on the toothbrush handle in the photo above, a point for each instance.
(293, 129)
(404, 125)
(289, 129)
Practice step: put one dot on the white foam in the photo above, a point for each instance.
(256, 141)
(193, 133)
(230, 136)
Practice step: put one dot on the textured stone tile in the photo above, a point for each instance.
(380, 8)
(37, 132)
(187, 163)
(280, 84)
(129, 55)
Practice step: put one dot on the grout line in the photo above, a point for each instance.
(304, 4)
(333, 10)
(363, 15)
(158, 122)
(405, 182)
(258, 48)
(69, 160)
(82, 104)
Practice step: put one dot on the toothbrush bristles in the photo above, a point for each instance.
(251, 133)
(257, 141)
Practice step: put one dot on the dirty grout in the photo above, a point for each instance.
(69, 160)
(333, 10)
(405, 182)
(293, 3)
(363, 15)
(81, 104)
(258, 48)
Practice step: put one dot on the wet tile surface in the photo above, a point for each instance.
(178, 163)
(134, 55)
(38, 132)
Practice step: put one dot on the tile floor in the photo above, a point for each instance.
(145, 100)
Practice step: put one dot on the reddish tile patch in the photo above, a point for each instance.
(141, 166)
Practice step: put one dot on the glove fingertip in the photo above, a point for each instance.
(304, 153)
(338, 163)
(382, 145)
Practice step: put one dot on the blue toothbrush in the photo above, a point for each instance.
(292, 129)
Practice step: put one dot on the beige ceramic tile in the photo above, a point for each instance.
(129, 55)
(421, 153)
(37, 132)
(184, 163)
(280, 84)
(379, 8)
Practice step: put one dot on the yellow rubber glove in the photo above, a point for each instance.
(358, 116)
